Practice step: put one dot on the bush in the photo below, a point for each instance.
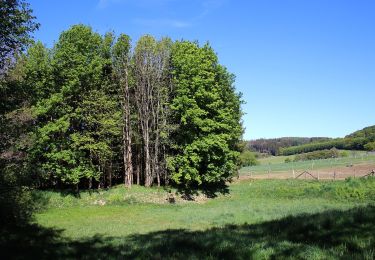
(288, 160)
(316, 155)
(248, 158)
(344, 154)
(370, 146)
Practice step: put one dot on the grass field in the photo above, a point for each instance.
(258, 219)
(276, 164)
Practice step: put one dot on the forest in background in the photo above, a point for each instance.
(363, 139)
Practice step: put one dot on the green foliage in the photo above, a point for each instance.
(355, 141)
(365, 132)
(288, 160)
(207, 110)
(90, 102)
(370, 146)
(343, 154)
(78, 122)
(17, 23)
(317, 155)
(272, 146)
(248, 158)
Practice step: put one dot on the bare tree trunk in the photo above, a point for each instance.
(148, 176)
(139, 167)
(128, 167)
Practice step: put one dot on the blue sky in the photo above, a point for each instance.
(305, 68)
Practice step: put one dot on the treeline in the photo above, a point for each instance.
(360, 140)
(94, 110)
(272, 146)
(317, 155)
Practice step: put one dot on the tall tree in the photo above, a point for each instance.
(75, 128)
(151, 73)
(207, 110)
(16, 23)
(121, 56)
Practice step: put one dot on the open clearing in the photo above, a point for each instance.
(258, 219)
(358, 164)
(334, 173)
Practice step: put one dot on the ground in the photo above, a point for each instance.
(357, 164)
(334, 173)
(258, 219)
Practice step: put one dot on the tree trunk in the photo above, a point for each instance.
(128, 167)
(148, 176)
(110, 175)
(139, 167)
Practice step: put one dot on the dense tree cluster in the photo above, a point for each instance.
(322, 154)
(93, 111)
(272, 146)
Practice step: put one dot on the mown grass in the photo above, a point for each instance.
(277, 163)
(257, 219)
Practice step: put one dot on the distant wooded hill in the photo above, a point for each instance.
(363, 139)
(272, 146)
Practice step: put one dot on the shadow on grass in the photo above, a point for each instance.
(211, 191)
(331, 234)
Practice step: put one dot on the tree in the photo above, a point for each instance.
(152, 84)
(16, 23)
(92, 110)
(77, 123)
(121, 63)
(207, 110)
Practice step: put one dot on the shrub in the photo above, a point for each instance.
(316, 155)
(248, 158)
(370, 146)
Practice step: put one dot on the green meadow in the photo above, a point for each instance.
(276, 164)
(256, 219)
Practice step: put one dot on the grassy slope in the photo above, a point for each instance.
(277, 163)
(260, 219)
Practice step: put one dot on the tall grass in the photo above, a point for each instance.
(267, 219)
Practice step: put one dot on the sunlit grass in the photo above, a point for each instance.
(248, 202)
(275, 164)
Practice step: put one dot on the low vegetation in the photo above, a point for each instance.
(287, 163)
(273, 145)
(322, 154)
(257, 219)
(248, 158)
(359, 140)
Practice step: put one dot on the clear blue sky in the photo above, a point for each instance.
(305, 68)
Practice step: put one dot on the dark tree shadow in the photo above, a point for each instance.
(333, 234)
(211, 191)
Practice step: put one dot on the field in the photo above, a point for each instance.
(356, 165)
(258, 219)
